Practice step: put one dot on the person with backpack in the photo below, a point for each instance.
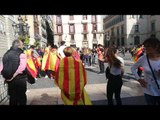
(13, 69)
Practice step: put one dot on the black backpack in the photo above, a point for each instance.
(11, 62)
(107, 72)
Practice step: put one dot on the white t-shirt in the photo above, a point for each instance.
(35, 54)
(152, 88)
(60, 51)
(115, 70)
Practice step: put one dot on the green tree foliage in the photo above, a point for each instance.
(27, 40)
(37, 43)
(24, 39)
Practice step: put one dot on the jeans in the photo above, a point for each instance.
(152, 100)
(101, 66)
(93, 59)
(86, 60)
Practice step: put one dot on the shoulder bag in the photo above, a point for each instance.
(153, 73)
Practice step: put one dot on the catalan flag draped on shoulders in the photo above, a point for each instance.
(30, 64)
(71, 79)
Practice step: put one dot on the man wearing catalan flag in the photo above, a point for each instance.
(71, 79)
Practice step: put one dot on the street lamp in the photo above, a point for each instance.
(21, 28)
(106, 39)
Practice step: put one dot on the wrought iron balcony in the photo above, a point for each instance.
(71, 22)
(85, 32)
(84, 21)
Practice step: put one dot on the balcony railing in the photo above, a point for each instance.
(84, 21)
(94, 41)
(84, 43)
(72, 41)
(85, 40)
(71, 22)
(94, 21)
(72, 33)
(58, 33)
(59, 22)
(85, 32)
(94, 31)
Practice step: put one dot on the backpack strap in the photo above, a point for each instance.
(153, 73)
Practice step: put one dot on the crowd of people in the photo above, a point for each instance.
(59, 63)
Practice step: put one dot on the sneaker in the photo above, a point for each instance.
(28, 91)
(100, 74)
(46, 76)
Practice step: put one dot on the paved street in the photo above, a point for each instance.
(44, 92)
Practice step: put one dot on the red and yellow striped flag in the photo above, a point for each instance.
(137, 53)
(46, 59)
(54, 60)
(71, 79)
(30, 64)
(75, 55)
(37, 62)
